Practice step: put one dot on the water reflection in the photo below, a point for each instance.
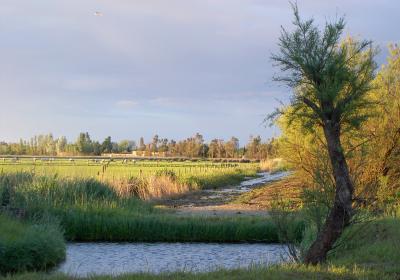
(116, 258)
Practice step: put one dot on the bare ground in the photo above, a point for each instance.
(251, 198)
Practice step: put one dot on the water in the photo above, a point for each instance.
(85, 259)
(263, 178)
(228, 193)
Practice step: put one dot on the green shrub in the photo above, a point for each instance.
(27, 247)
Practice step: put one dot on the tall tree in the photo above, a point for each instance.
(107, 146)
(61, 144)
(330, 82)
(231, 147)
(142, 145)
(253, 147)
(154, 144)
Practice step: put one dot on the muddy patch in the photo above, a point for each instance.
(216, 202)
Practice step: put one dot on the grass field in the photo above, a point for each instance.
(112, 169)
(146, 175)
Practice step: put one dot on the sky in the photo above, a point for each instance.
(132, 68)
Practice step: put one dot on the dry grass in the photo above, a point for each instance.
(288, 189)
(273, 165)
(152, 187)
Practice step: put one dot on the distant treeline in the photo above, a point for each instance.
(192, 147)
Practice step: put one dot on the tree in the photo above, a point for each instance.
(96, 148)
(164, 145)
(330, 82)
(154, 144)
(61, 144)
(107, 145)
(126, 146)
(253, 147)
(142, 145)
(84, 143)
(231, 147)
(213, 148)
(382, 135)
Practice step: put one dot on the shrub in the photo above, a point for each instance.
(27, 247)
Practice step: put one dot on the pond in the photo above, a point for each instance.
(85, 259)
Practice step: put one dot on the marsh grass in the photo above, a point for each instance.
(87, 226)
(375, 255)
(29, 246)
(89, 210)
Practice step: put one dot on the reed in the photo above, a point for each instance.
(89, 210)
(29, 246)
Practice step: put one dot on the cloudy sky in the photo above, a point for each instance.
(145, 66)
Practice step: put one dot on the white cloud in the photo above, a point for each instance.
(126, 104)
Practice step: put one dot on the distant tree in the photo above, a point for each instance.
(106, 146)
(232, 147)
(84, 143)
(253, 147)
(115, 147)
(61, 144)
(213, 148)
(203, 152)
(196, 145)
(330, 83)
(126, 146)
(142, 145)
(154, 144)
(96, 148)
(172, 147)
(163, 145)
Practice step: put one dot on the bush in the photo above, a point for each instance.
(27, 247)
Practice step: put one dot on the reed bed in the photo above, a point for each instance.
(29, 246)
(90, 210)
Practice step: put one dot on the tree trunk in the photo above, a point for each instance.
(341, 212)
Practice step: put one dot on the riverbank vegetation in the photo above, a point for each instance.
(28, 246)
(89, 210)
(374, 254)
(78, 209)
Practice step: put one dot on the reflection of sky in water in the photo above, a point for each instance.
(245, 186)
(116, 258)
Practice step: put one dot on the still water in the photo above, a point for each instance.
(116, 258)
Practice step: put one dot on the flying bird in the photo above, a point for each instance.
(98, 14)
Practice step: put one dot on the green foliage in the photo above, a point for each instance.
(103, 225)
(25, 247)
(89, 210)
(375, 255)
(289, 225)
(318, 198)
(372, 152)
(331, 80)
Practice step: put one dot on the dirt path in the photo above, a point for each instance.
(217, 202)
